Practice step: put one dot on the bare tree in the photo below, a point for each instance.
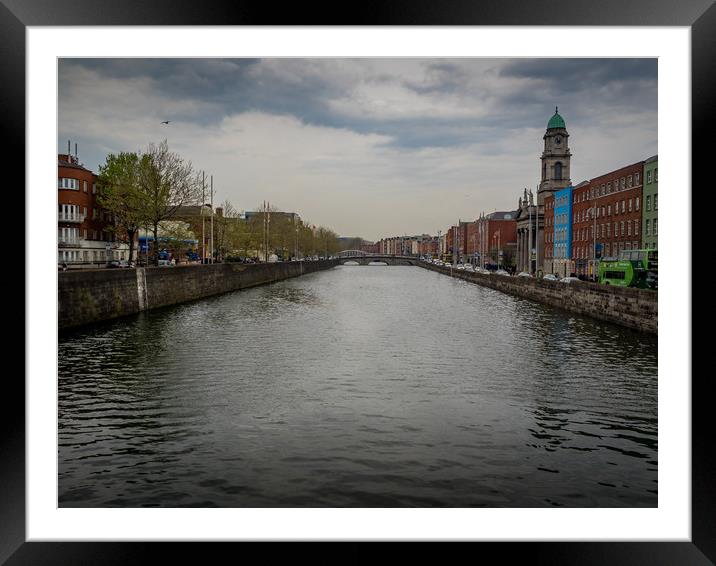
(168, 183)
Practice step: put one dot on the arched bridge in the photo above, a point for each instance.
(363, 258)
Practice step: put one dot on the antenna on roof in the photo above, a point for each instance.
(556, 109)
(68, 147)
(75, 151)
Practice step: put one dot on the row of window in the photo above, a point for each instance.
(587, 252)
(73, 210)
(74, 184)
(621, 229)
(88, 255)
(649, 177)
(72, 235)
(606, 188)
(625, 206)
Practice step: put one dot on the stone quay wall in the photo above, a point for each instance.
(630, 307)
(93, 295)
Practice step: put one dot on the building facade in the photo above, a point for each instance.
(548, 266)
(529, 223)
(556, 161)
(84, 230)
(562, 232)
(650, 216)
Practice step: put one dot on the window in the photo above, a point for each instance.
(558, 170)
(656, 201)
(609, 210)
(64, 183)
(629, 181)
(630, 203)
(94, 188)
(636, 179)
(656, 231)
(636, 227)
(647, 227)
(648, 177)
(637, 203)
(656, 175)
(648, 203)
(84, 186)
(622, 228)
(622, 183)
(609, 230)
(623, 205)
(603, 191)
(629, 228)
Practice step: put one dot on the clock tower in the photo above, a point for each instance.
(555, 158)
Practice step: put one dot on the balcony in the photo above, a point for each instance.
(75, 218)
(68, 242)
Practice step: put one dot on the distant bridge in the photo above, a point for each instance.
(363, 258)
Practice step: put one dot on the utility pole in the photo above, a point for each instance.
(203, 200)
(212, 219)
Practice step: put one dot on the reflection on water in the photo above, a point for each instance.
(361, 387)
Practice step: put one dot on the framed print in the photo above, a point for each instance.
(572, 452)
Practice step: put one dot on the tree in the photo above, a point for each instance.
(120, 194)
(168, 183)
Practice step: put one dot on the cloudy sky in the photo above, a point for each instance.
(369, 147)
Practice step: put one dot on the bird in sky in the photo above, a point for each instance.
(166, 121)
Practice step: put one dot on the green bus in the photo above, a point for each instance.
(633, 268)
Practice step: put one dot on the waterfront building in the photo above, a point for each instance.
(582, 226)
(650, 207)
(84, 230)
(548, 266)
(607, 217)
(529, 223)
(496, 238)
(562, 231)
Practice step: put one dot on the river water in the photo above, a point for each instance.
(361, 386)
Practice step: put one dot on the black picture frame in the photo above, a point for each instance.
(16, 15)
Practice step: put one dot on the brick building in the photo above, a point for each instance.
(496, 238)
(607, 214)
(650, 206)
(84, 234)
(549, 233)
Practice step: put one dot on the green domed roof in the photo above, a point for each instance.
(556, 121)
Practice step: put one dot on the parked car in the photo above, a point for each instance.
(570, 280)
(469, 267)
(551, 277)
(523, 274)
(501, 272)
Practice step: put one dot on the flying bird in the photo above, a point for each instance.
(166, 121)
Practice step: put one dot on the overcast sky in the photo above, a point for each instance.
(368, 147)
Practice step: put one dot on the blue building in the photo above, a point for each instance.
(563, 232)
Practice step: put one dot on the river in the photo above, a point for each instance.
(361, 386)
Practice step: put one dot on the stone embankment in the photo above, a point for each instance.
(93, 295)
(630, 307)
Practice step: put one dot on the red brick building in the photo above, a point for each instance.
(496, 232)
(83, 235)
(607, 217)
(548, 233)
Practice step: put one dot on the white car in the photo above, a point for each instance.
(468, 267)
(501, 272)
(460, 266)
(550, 277)
(570, 280)
(523, 274)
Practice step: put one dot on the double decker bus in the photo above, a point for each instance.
(633, 268)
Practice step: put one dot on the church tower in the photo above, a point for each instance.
(555, 158)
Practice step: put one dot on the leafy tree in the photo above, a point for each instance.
(121, 195)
